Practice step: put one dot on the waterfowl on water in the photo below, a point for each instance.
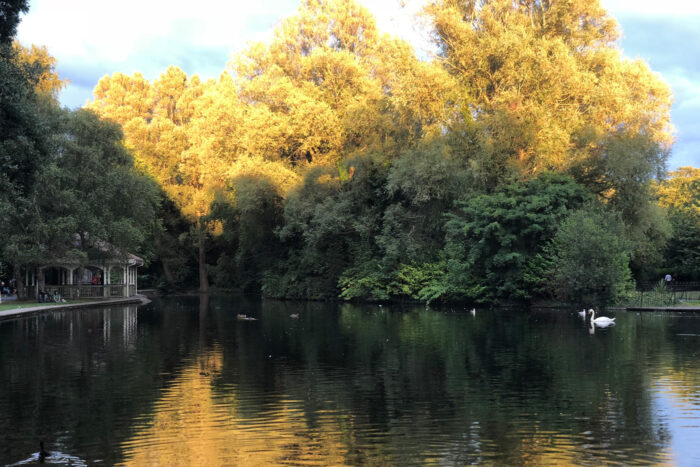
(582, 313)
(602, 321)
(294, 315)
(245, 317)
(43, 453)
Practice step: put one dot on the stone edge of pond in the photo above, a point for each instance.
(656, 308)
(16, 312)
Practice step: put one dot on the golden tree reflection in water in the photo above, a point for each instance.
(193, 425)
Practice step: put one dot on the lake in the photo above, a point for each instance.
(182, 381)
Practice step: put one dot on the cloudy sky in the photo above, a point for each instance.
(92, 38)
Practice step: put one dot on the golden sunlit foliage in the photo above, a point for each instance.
(545, 80)
(40, 68)
(681, 190)
(331, 84)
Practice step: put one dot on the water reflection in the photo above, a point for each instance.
(182, 382)
(205, 429)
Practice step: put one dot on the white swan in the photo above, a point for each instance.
(602, 321)
(582, 313)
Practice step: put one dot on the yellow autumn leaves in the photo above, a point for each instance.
(543, 83)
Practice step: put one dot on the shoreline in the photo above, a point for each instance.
(662, 308)
(142, 299)
(15, 312)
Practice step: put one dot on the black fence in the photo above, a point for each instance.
(666, 294)
(674, 286)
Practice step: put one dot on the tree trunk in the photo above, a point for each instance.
(19, 281)
(163, 253)
(203, 278)
(167, 272)
(40, 281)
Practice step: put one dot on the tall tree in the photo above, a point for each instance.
(547, 84)
(156, 118)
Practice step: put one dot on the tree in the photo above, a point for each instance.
(95, 192)
(493, 241)
(330, 85)
(87, 200)
(679, 195)
(546, 83)
(156, 121)
(24, 155)
(590, 258)
(250, 217)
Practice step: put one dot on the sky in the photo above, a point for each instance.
(94, 38)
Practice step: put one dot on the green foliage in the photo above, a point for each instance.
(590, 258)
(622, 174)
(371, 280)
(329, 225)
(68, 188)
(421, 186)
(680, 196)
(93, 190)
(682, 252)
(250, 215)
(9, 18)
(23, 143)
(494, 239)
(366, 281)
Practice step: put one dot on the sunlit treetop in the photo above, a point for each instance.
(40, 68)
(681, 190)
(546, 81)
(333, 84)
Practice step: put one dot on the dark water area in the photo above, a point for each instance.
(182, 381)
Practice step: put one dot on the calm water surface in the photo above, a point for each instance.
(181, 381)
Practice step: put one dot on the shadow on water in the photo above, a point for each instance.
(183, 380)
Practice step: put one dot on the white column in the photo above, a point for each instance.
(105, 290)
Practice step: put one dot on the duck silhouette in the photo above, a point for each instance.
(43, 453)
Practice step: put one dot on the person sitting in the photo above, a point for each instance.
(56, 296)
(44, 296)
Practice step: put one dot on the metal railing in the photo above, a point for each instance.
(83, 291)
(672, 293)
